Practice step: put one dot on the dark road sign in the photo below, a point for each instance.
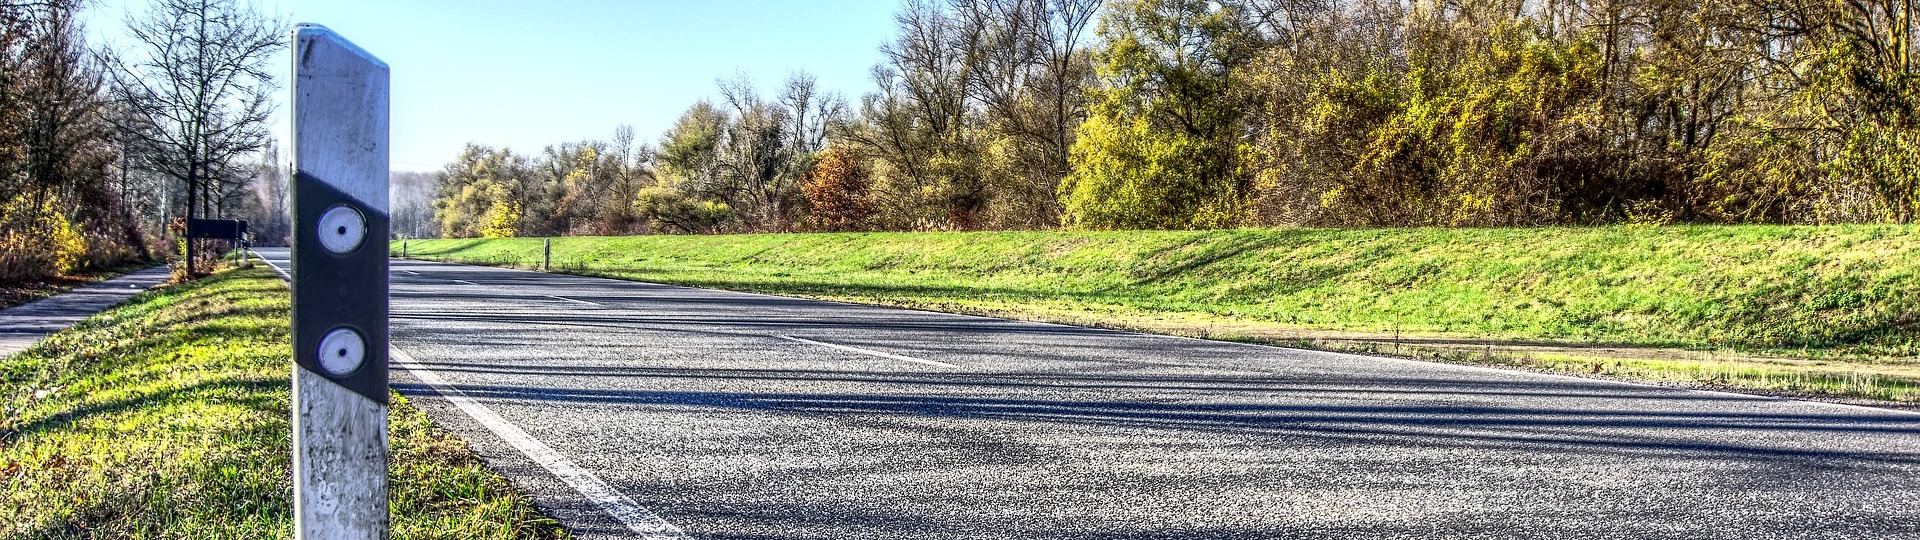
(222, 229)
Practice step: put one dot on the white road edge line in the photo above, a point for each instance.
(869, 352)
(576, 301)
(276, 268)
(648, 525)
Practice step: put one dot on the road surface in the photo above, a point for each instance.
(714, 414)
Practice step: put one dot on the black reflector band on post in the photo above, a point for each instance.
(340, 291)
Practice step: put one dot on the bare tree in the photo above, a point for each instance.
(768, 147)
(978, 103)
(55, 148)
(270, 220)
(61, 100)
(631, 159)
(1031, 85)
(754, 154)
(198, 93)
(410, 193)
(810, 115)
(920, 124)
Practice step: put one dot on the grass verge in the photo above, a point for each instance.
(167, 418)
(1832, 310)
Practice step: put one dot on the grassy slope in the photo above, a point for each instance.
(1741, 299)
(167, 418)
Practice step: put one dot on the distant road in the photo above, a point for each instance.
(729, 415)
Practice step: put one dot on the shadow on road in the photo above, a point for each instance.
(1461, 426)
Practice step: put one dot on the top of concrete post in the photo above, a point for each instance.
(340, 114)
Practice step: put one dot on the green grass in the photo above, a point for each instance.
(167, 418)
(1832, 310)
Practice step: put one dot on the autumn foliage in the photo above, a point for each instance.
(1202, 114)
(837, 190)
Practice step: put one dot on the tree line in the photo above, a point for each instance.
(105, 152)
(1021, 114)
(1034, 114)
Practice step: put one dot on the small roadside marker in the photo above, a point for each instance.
(339, 288)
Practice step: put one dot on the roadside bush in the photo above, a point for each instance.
(837, 190)
(36, 242)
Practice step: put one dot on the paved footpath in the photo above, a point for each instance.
(633, 410)
(24, 325)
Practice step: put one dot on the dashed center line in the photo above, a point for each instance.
(869, 352)
(576, 301)
(464, 281)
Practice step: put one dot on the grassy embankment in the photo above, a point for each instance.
(1821, 310)
(167, 418)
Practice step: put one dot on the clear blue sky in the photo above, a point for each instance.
(526, 74)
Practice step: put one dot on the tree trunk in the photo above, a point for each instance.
(193, 183)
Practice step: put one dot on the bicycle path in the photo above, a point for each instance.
(24, 325)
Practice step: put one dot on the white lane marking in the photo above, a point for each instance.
(411, 272)
(637, 518)
(1515, 372)
(576, 301)
(465, 281)
(276, 268)
(869, 352)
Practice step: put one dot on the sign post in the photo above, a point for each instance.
(339, 288)
(232, 230)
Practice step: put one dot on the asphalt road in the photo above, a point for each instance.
(24, 325)
(752, 417)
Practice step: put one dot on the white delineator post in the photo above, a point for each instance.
(340, 115)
